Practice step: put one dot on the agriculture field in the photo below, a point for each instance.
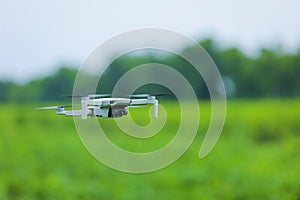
(256, 157)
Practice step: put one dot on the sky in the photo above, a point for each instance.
(36, 37)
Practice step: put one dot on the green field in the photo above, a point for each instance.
(257, 156)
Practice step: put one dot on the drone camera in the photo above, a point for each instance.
(60, 108)
(117, 111)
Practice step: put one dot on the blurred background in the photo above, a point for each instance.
(256, 46)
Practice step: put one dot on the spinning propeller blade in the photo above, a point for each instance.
(73, 96)
(147, 95)
(99, 95)
(91, 96)
(160, 94)
(54, 107)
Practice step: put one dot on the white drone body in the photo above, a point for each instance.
(93, 106)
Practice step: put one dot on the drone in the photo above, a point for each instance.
(99, 105)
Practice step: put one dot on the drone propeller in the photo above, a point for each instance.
(54, 107)
(160, 94)
(147, 95)
(73, 96)
(94, 96)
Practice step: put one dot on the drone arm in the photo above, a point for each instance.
(73, 113)
(136, 102)
(145, 102)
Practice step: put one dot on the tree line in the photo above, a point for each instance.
(272, 73)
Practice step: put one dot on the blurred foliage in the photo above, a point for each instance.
(45, 89)
(256, 157)
(270, 74)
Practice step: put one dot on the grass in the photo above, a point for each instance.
(257, 157)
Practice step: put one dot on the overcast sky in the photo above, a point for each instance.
(38, 36)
